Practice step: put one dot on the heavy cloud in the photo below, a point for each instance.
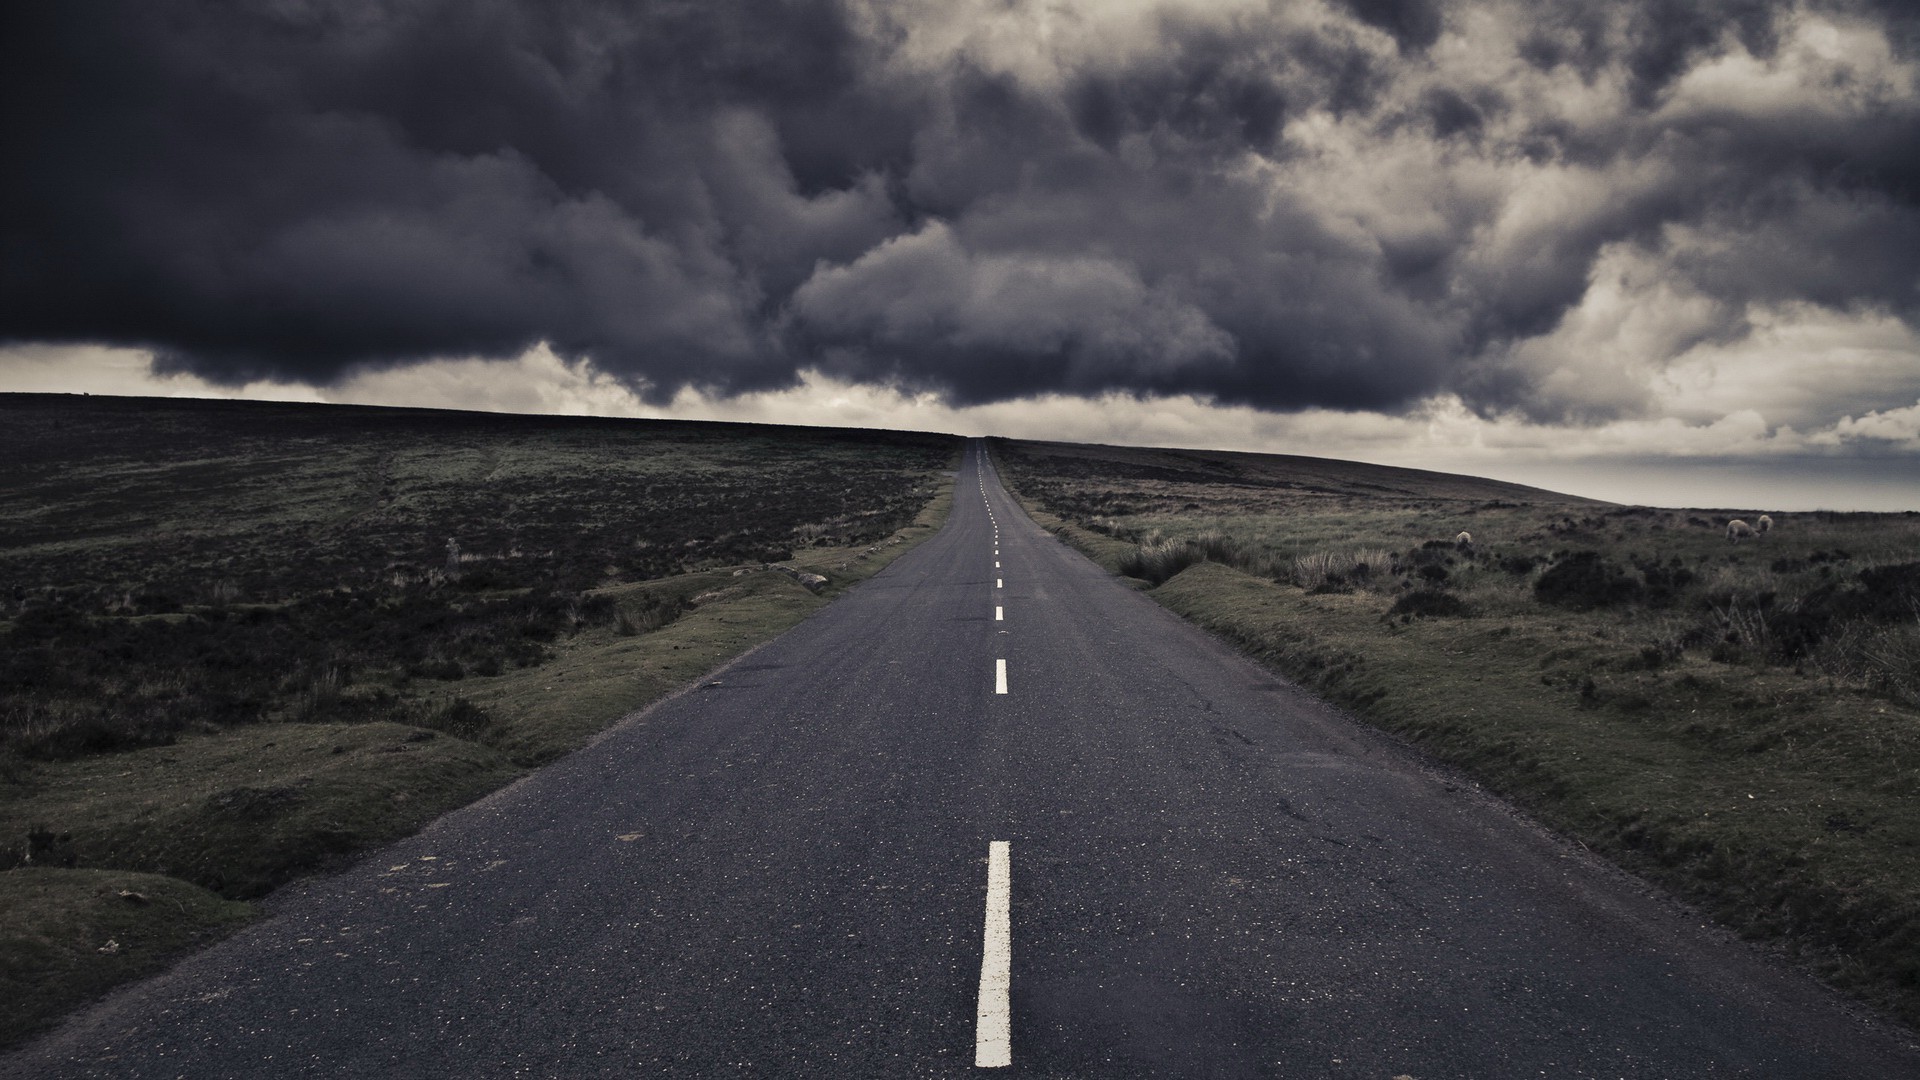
(1547, 209)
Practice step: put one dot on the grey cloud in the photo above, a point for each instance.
(1280, 206)
(1414, 24)
(287, 191)
(923, 311)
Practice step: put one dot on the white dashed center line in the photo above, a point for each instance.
(993, 1022)
(999, 676)
(999, 614)
(999, 583)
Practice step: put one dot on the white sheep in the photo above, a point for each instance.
(1764, 525)
(1464, 540)
(1738, 530)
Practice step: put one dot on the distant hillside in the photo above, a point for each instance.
(51, 427)
(1274, 474)
(41, 423)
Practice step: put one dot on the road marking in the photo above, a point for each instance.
(993, 1021)
(999, 583)
(999, 614)
(999, 676)
(996, 562)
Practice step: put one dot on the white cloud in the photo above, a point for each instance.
(1897, 428)
(1826, 69)
(1042, 43)
(1799, 365)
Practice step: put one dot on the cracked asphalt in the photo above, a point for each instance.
(782, 874)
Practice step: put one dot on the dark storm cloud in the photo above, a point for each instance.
(284, 190)
(1414, 24)
(1357, 204)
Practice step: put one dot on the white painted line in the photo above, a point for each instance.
(996, 562)
(993, 1021)
(999, 583)
(999, 614)
(999, 676)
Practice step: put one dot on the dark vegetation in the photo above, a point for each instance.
(1740, 723)
(1790, 599)
(241, 641)
(1584, 580)
(176, 566)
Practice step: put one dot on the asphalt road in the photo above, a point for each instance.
(1207, 873)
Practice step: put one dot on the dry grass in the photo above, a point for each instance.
(71, 934)
(278, 676)
(1740, 723)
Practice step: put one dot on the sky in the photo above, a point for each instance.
(1655, 251)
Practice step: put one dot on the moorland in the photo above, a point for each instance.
(1736, 721)
(242, 641)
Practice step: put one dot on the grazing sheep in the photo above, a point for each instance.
(1463, 541)
(1764, 525)
(1738, 530)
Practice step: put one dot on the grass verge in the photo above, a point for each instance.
(79, 933)
(1698, 712)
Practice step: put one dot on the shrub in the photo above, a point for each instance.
(1519, 565)
(1431, 553)
(1891, 592)
(592, 611)
(1425, 603)
(1664, 583)
(460, 718)
(1583, 580)
(647, 613)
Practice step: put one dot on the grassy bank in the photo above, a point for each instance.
(229, 657)
(1737, 722)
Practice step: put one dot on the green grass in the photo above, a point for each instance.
(241, 811)
(1737, 723)
(73, 934)
(235, 649)
(539, 713)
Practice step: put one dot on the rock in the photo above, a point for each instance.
(811, 581)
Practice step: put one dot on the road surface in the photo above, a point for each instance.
(990, 814)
